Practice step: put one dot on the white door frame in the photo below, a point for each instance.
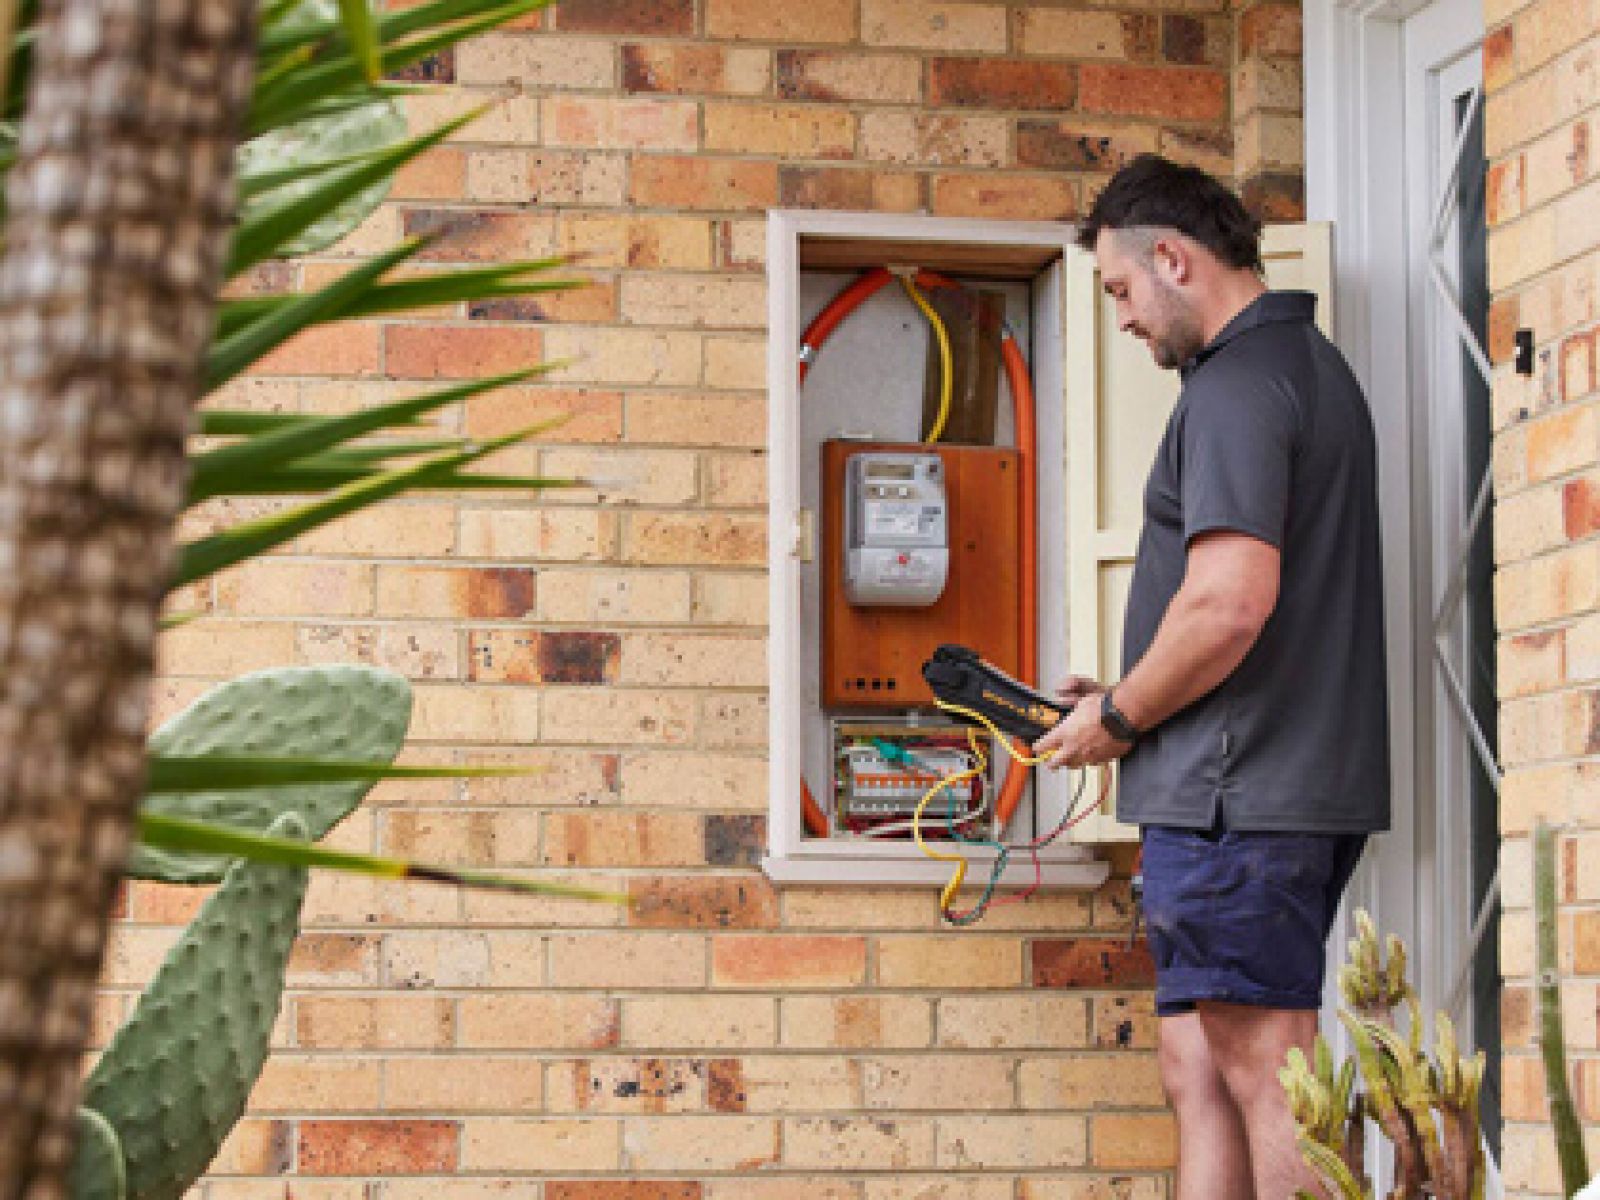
(1371, 170)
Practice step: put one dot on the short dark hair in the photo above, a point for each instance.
(1152, 191)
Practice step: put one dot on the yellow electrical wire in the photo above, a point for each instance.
(946, 367)
(948, 895)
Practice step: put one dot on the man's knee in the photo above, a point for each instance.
(1249, 1044)
(1188, 1072)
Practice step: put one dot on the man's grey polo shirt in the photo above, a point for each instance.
(1271, 437)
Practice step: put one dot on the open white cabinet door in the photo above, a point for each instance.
(1117, 404)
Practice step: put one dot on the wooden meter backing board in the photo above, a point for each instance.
(872, 657)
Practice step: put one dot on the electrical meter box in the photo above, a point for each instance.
(873, 651)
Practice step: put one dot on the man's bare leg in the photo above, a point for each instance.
(1213, 1154)
(1249, 1044)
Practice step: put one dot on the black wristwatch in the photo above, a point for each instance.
(1117, 725)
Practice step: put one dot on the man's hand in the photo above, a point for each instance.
(1077, 687)
(1081, 741)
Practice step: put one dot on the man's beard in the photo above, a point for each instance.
(1180, 338)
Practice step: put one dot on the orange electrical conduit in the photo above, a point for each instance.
(1022, 400)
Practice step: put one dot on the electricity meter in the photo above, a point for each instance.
(897, 529)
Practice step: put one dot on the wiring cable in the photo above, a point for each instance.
(946, 365)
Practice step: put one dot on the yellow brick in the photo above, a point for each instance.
(934, 139)
(785, 130)
(1115, 1079)
(733, 361)
(920, 1187)
(1133, 1140)
(1072, 33)
(823, 21)
(702, 301)
(730, 1144)
(858, 1143)
(298, 1084)
(1522, 249)
(857, 1022)
(623, 839)
(1551, 27)
(464, 959)
(625, 123)
(764, 961)
(672, 660)
(333, 959)
(389, 531)
(687, 539)
(462, 1083)
(999, 1142)
(641, 241)
(614, 597)
(932, 962)
(669, 477)
(537, 1022)
(474, 714)
(796, 1083)
(697, 780)
(635, 961)
(1013, 1022)
(499, 908)
(625, 356)
(1265, 83)
(416, 651)
(338, 899)
(1532, 663)
(697, 418)
(963, 1083)
(535, 61)
(289, 589)
(588, 716)
(627, 1085)
(133, 955)
(461, 838)
(931, 25)
(836, 908)
(367, 1022)
(736, 480)
(1542, 589)
(1556, 162)
(255, 1148)
(457, 1189)
(1533, 729)
(1577, 228)
(225, 648)
(730, 599)
(1528, 523)
(558, 535)
(548, 1146)
(729, 721)
(1268, 141)
(513, 120)
(791, 1187)
(698, 1022)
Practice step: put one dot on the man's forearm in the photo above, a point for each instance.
(1202, 639)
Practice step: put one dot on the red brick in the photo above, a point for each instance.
(1186, 93)
(677, 181)
(999, 196)
(1507, 190)
(648, 17)
(377, 1147)
(595, 1189)
(568, 656)
(1000, 83)
(1499, 58)
(762, 960)
(1503, 315)
(1074, 146)
(1271, 29)
(1275, 197)
(482, 592)
(1577, 366)
(725, 1087)
(702, 902)
(458, 351)
(850, 188)
(1580, 508)
(437, 174)
(763, 20)
(470, 235)
(349, 348)
(1194, 41)
(595, 303)
(1091, 963)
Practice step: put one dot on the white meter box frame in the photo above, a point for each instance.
(1028, 259)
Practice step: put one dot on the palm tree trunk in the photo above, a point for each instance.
(119, 211)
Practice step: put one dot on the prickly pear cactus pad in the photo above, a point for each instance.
(97, 1171)
(344, 712)
(176, 1076)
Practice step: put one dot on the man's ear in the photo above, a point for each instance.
(1172, 261)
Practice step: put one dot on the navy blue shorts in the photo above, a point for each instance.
(1242, 917)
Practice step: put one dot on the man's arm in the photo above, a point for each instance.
(1229, 589)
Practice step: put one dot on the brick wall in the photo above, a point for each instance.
(1268, 103)
(1542, 72)
(726, 1040)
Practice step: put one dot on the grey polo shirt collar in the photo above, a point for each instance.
(1266, 309)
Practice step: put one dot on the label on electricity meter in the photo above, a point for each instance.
(897, 542)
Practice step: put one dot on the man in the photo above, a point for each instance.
(1251, 719)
